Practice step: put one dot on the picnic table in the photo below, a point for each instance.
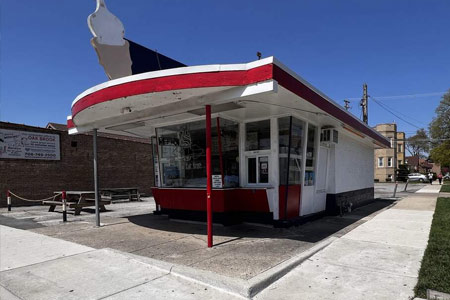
(121, 193)
(76, 200)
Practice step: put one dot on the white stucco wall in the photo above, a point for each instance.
(353, 165)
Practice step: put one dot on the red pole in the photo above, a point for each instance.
(219, 142)
(208, 175)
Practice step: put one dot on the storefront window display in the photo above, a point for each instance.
(182, 153)
(257, 135)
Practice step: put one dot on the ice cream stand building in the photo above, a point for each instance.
(249, 139)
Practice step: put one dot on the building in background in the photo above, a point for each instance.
(36, 161)
(387, 160)
(422, 165)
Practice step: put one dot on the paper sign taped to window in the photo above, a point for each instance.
(217, 181)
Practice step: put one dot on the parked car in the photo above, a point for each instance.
(417, 177)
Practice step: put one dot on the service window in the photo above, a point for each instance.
(258, 169)
(257, 151)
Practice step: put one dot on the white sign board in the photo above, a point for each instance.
(217, 181)
(29, 145)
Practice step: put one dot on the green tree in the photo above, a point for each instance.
(440, 132)
(418, 144)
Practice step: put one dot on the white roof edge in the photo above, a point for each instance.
(177, 71)
(299, 78)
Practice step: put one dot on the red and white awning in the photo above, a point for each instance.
(240, 90)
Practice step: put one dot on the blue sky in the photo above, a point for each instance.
(396, 47)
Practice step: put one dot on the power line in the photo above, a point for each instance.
(407, 116)
(389, 111)
(411, 96)
(408, 96)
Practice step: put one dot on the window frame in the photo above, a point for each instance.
(380, 159)
(257, 154)
(390, 162)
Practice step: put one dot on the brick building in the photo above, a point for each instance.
(123, 162)
(386, 161)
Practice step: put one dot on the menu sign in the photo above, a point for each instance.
(29, 145)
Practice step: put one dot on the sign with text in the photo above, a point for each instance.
(29, 145)
(217, 181)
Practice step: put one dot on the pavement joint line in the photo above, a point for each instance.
(12, 293)
(373, 270)
(45, 261)
(132, 287)
(407, 230)
(374, 242)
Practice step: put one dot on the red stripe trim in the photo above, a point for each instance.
(70, 124)
(221, 78)
(175, 82)
(300, 89)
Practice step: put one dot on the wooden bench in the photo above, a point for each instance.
(81, 201)
(121, 193)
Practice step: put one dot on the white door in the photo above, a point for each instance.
(321, 191)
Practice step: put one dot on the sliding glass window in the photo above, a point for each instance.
(182, 153)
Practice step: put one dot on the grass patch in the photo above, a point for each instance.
(445, 188)
(435, 269)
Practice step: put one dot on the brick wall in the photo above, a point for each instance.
(121, 163)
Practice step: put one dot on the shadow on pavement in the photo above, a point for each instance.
(310, 232)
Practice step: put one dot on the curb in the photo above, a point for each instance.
(263, 280)
(238, 287)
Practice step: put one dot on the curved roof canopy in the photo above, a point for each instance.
(136, 104)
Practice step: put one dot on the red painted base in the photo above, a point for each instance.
(293, 201)
(226, 200)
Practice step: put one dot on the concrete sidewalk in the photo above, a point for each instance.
(378, 260)
(35, 266)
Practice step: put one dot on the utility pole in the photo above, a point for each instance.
(364, 103)
(347, 105)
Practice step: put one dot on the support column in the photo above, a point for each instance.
(208, 175)
(97, 210)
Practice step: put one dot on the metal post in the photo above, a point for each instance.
(8, 199)
(395, 189)
(64, 205)
(406, 185)
(286, 194)
(97, 210)
(208, 175)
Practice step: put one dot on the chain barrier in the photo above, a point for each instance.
(31, 200)
(63, 201)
